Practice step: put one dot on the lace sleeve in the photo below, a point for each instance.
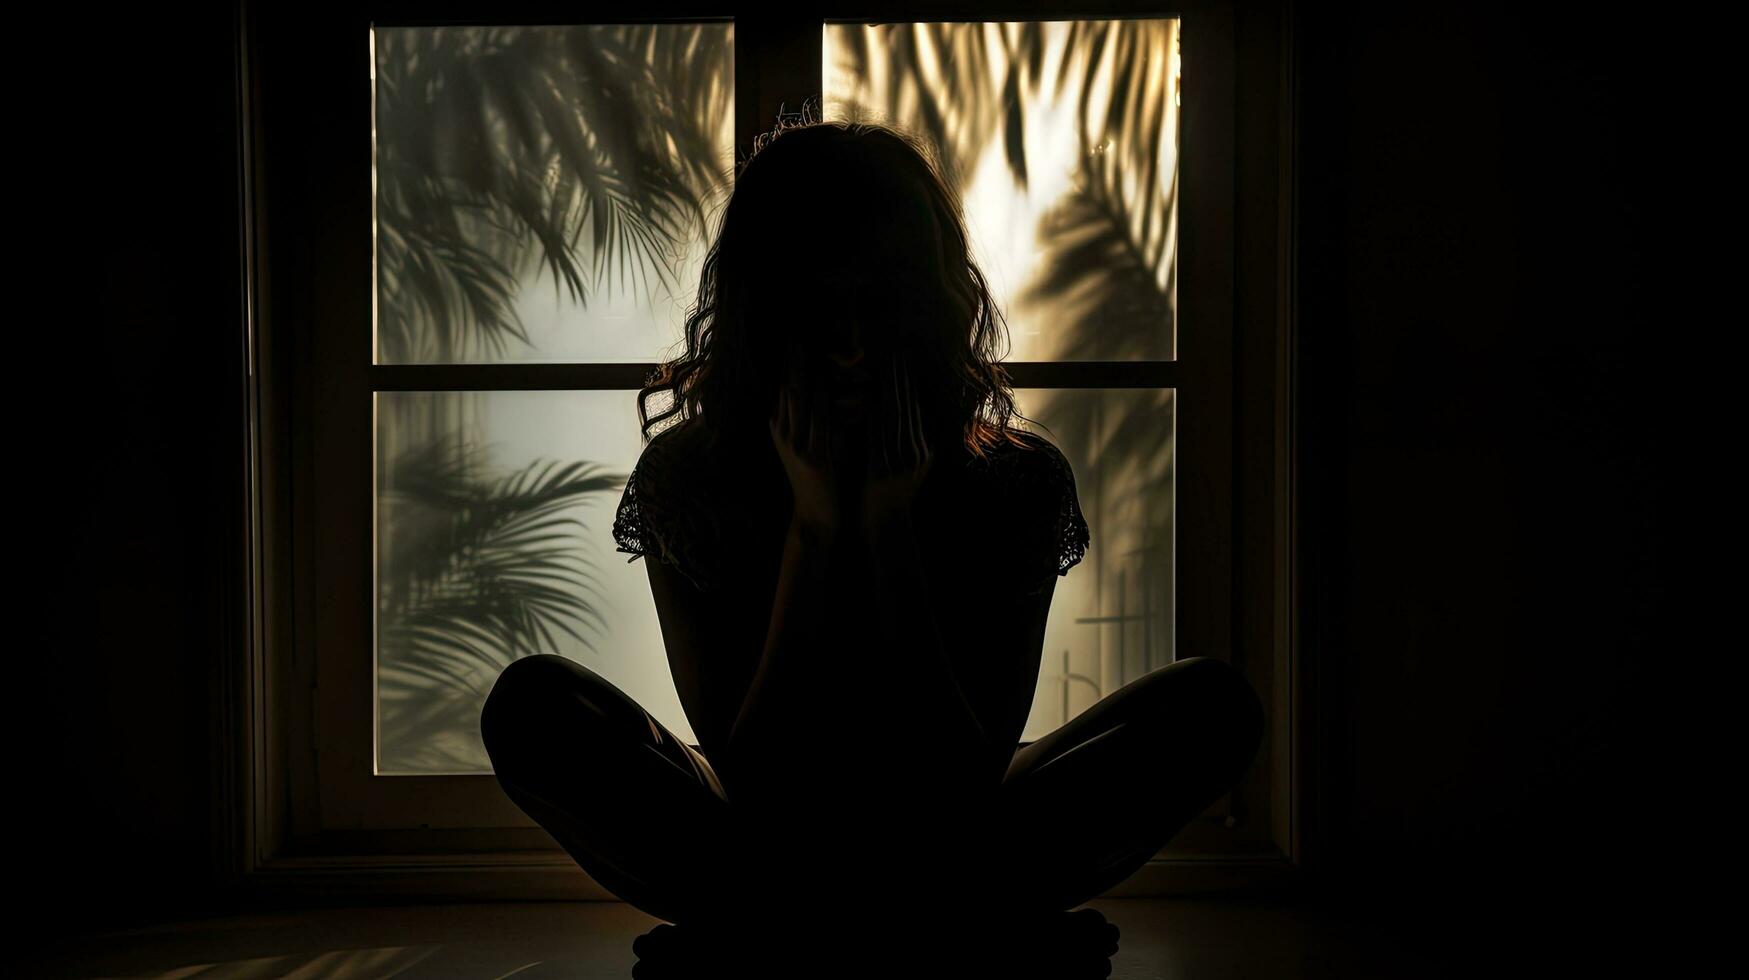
(656, 517)
(1059, 537)
(1069, 532)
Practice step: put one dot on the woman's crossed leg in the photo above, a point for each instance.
(1080, 810)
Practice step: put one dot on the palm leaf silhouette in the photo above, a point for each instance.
(478, 572)
(502, 151)
(1106, 280)
(498, 147)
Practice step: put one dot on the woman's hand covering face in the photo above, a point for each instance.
(801, 432)
(897, 454)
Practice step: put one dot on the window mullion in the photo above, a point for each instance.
(777, 67)
(571, 376)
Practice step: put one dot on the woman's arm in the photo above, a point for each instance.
(942, 735)
(795, 626)
(948, 736)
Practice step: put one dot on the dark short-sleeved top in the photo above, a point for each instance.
(687, 507)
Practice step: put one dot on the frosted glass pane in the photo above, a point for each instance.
(1112, 616)
(1062, 138)
(542, 193)
(476, 565)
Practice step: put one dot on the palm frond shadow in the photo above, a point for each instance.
(497, 150)
(613, 133)
(1106, 283)
(476, 571)
(1108, 279)
(498, 147)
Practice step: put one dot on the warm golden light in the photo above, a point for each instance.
(1062, 139)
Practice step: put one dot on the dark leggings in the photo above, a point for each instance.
(1080, 810)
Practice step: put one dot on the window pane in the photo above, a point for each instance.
(1112, 617)
(1062, 138)
(475, 567)
(542, 192)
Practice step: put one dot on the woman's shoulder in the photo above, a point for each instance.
(702, 502)
(1027, 460)
(692, 444)
(662, 511)
(1013, 442)
(1045, 531)
(675, 440)
(706, 472)
(678, 456)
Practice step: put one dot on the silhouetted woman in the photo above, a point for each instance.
(854, 560)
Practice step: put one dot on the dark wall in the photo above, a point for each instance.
(1484, 447)
(131, 414)
(1484, 551)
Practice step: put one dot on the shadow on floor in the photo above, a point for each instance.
(1160, 939)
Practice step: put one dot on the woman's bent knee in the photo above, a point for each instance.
(525, 692)
(540, 671)
(518, 679)
(1213, 698)
(1240, 710)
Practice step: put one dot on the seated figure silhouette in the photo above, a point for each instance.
(852, 556)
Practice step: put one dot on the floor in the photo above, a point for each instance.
(1161, 939)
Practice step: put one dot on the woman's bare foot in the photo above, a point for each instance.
(1087, 928)
(1054, 944)
(670, 949)
(665, 945)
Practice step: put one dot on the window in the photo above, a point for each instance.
(447, 404)
(542, 195)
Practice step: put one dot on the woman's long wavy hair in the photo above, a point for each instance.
(814, 197)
